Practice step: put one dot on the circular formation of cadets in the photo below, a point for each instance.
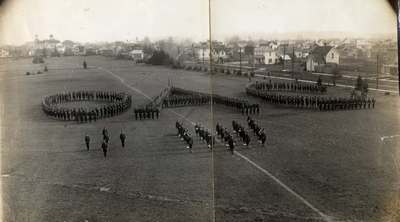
(322, 103)
(182, 97)
(117, 103)
(106, 139)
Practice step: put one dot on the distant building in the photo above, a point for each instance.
(320, 56)
(78, 50)
(105, 52)
(274, 45)
(286, 57)
(4, 53)
(218, 53)
(264, 54)
(137, 54)
(390, 69)
(301, 54)
(46, 47)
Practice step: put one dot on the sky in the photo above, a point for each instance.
(99, 20)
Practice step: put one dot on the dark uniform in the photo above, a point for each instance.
(231, 145)
(104, 147)
(122, 137)
(87, 141)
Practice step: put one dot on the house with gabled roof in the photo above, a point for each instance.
(321, 56)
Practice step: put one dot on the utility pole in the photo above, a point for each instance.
(377, 71)
(283, 58)
(203, 55)
(293, 63)
(240, 59)
(398, 42)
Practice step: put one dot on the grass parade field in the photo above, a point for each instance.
(316, 165)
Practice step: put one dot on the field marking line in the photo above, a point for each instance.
(383, 138)
(308, 204)
(298, 196)
(140, 92)
(310, 81)
(126, 84)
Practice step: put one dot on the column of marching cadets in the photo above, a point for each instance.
(222, 133)
(153, 108)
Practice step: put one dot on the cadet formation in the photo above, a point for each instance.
(147, 112)
(184, 134)
(204, 135)
(226, 137)
(322, 103)
(182, 97)
(152, 110)
(117, 103)
(105, 141)
(290, 87)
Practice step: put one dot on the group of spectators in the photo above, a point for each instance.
(116, 103)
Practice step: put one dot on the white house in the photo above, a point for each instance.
(286, 57)
(265, 55)
(218, 54)
(78, 50)
(322, 55)
(137, 54)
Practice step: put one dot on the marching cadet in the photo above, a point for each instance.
(373, 103)
(122, 137)
(87, 141)
(84, 64)
(157, 112)
(136, 114)
(106, 137)
(104, 147)
(196, 129)
(104, 132)
(246, 139)
(190, 143)
(231, 145)
(263, 138)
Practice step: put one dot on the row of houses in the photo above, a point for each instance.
(269, 53)
(53, 47)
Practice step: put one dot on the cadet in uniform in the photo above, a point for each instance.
(87, 141)
(104, 148)
(122, 137)
(231, 145)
